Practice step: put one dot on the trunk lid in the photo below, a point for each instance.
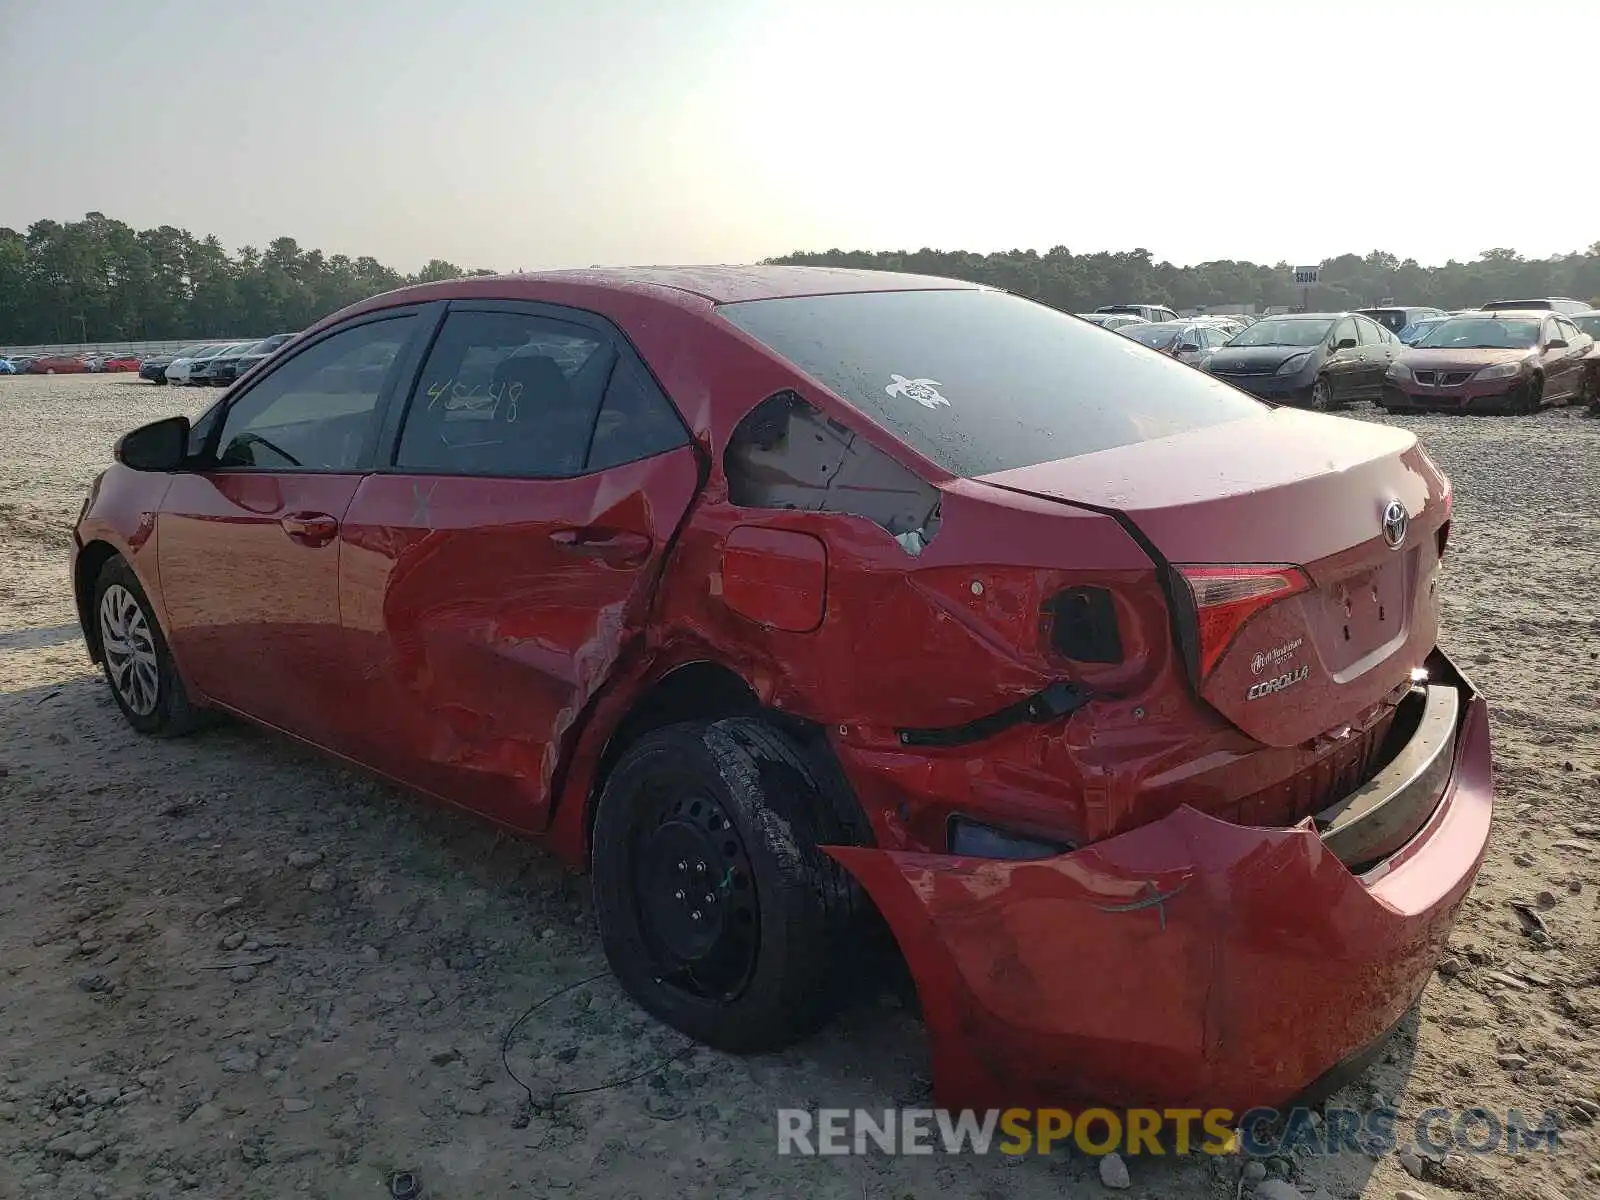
(1292, 489)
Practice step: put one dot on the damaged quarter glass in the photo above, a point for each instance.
(786, 454)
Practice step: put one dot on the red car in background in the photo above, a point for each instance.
(779, 595)
(57, 364)
(1501, 361)
(121, 362)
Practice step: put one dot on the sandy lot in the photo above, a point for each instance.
(230, 968)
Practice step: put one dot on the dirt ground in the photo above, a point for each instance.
(231, 968)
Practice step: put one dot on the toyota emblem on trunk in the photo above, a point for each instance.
(1395, 522)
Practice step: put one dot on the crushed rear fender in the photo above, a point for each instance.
(1186, 963)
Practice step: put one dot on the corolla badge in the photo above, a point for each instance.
(1395, 523)
(1268, 687)
(924, 391)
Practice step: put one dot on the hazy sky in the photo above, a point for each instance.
(537, 133)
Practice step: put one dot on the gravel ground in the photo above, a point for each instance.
(232, 968)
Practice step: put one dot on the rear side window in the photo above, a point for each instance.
(519, 394)
(983, 381)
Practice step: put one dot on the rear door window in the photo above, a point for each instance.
(521, 394)
(982, 381)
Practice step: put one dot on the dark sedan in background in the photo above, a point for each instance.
(260, 351)
(204, 371)
(1316, 360)
(155, 367)
(1493, 362)
(1187, 341)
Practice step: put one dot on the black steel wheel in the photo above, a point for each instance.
(718, 912)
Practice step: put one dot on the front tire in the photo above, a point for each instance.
(1321, 395)
(135, 659)
(1530, 396)
(718, 913)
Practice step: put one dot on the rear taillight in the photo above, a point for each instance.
(1226, 597)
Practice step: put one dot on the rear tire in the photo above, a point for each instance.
(718, 913)
(135, 659)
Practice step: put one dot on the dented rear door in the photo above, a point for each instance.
(496, 573)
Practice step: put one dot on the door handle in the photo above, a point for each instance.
(310, 528)
(620, 546)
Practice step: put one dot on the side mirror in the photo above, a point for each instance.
(159, 446)
(1345, 344)
(1556, 344)
(1188, 348)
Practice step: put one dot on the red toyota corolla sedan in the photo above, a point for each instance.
(768, 592)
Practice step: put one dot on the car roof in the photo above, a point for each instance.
(716, 284)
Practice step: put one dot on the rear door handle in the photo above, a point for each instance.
(310, 528)
(620, 546)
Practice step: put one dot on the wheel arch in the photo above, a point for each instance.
(701, 689)
(91, 560)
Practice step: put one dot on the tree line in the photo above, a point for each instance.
(1083, 282)
(100, 280)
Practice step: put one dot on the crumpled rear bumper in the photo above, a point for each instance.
(1187, 963)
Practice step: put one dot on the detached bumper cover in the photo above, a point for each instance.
(1191, 962)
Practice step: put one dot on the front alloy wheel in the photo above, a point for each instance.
(130, 650)
(1321, 395)
(135, 658)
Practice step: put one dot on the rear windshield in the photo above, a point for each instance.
(982, 381)
(1512, 305)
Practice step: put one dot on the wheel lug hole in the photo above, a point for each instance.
(678, 895)
(682, 866)
(695, 915)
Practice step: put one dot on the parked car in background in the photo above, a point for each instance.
(257, 353)
(563, 549)
(1187, 341)
(1318, 360)
(1589, 322)
(58, 364)
(180, 371)
(1396, 319)
(1418, 329)
(1500, 361)
(205, 372)
(154, 368)
(1231, 324)
(6, 368)
(1150, 312)
(120, 362)
(1111, 320)
(1560, 304)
